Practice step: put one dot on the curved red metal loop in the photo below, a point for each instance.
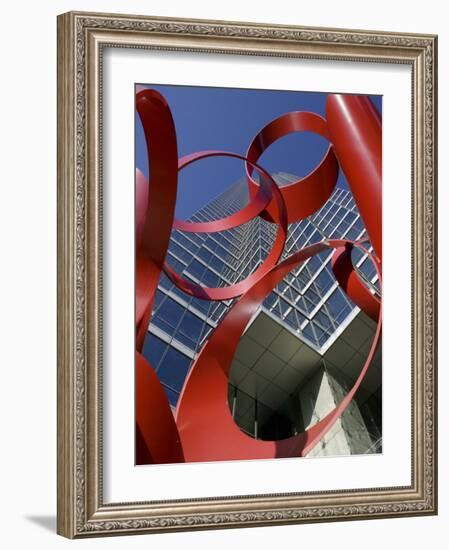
(350, 282)
(157, 437)
(162, 154)
(237, 289)
(307, 194)
(258, 203)
(205, 423)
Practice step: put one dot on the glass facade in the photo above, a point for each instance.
(308, 301)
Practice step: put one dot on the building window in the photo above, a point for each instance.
(173, 369)
(153, 350)
(189, 330)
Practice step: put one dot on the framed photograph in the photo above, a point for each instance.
(246, 274)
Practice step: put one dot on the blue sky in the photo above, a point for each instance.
(228, 119)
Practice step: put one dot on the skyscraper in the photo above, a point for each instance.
(305, 346)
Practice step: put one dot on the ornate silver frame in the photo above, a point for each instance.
(81, 37)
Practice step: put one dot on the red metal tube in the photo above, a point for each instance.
(355, 130)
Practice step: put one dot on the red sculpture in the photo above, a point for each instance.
(204, 429)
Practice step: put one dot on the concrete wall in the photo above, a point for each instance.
(349, 434)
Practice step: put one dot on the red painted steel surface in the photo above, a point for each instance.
(157, 435)
(355, 130)
(153, 242)
(204, 429)
(306, 195)
(270, 189)
(157, 438)
(351, 283)
(263, 196)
